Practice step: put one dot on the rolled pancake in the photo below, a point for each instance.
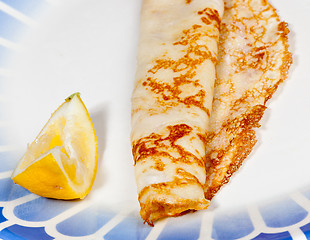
(171, 104)
(253, 60)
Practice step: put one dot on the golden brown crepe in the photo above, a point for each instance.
(184, 151)
(171, 104)
(253, 60)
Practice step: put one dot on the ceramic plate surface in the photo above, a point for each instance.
(50, 49)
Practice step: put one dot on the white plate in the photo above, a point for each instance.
(50, 49)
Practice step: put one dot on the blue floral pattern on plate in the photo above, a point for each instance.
(24, 215)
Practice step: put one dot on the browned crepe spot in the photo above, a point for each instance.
(156, 145)
(170, 95)
(158, 205)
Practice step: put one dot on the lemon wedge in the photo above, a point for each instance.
(62, 161)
